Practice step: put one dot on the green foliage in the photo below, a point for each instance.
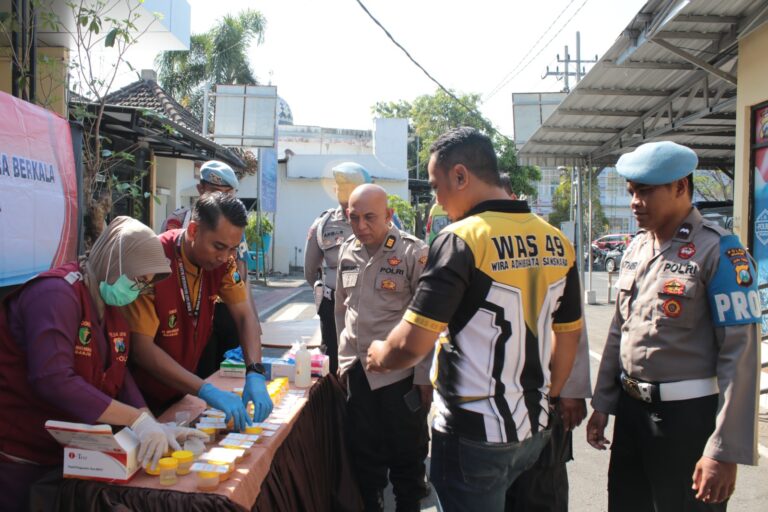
(431, 115)
(219, 56)
(713, 185)
(561, 204)
(257, 226)
(404, 210)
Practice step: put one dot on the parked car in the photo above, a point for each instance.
(612, 241)
(436, 221)
(717, 211)
(613, 257)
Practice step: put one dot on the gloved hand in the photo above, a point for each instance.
(256, 391)
(152, 438)
(229, 403)
(176, 434)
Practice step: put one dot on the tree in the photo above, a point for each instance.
(100, 41)
(431, 115)
(713, 185)
(561, 204)
(219, 56)
(404, 211)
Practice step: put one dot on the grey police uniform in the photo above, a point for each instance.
(321, 254)
(680, 366)
(385, 435)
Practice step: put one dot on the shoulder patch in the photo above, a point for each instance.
(733, 295)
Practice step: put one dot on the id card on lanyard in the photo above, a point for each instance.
(193, 312)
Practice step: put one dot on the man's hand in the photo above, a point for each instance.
(425, 393)
(375, 358)
(228, 402)
(596, 430)
(256, 391)
(572, 411)
(714, 481)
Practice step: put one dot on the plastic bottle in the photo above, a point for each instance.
(303, 367)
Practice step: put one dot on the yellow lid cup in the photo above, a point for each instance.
(167, 463)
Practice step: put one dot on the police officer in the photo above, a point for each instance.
(321, 252)
(379, 267)
(680, 366)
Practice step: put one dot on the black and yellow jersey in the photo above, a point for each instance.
(496, 285)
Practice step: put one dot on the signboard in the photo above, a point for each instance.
(760, 227)
(530, 110)
(268, 179)
(246, 115)
(38, 191)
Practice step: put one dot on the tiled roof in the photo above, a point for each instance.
(148, 94)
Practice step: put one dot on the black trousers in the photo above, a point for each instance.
(655, 449)
(328, 331)
(224, 336)
(384, 435)
(544, 487)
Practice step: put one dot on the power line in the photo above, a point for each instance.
(505, 82)
(533, 47)
(441, 86)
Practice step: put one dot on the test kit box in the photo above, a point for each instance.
(277, 367)
(93, 452)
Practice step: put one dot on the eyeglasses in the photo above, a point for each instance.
(143, 287)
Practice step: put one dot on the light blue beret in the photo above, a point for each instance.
(352, 173)
(218, 173)
(657, 163)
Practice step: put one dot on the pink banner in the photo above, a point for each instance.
(38, 191)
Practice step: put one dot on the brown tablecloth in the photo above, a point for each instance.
(303, 467)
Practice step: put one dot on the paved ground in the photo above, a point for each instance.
(288, 301)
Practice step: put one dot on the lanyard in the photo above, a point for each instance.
(185, 286)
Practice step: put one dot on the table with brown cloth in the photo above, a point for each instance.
(304, 466)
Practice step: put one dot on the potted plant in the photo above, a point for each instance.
(258, 233)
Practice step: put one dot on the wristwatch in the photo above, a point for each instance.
(256, 367)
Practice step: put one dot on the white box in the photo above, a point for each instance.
(92, 452)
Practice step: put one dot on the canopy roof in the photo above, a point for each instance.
(670, 75)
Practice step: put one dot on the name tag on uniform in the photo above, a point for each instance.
(349, 279)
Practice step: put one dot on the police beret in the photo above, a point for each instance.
(218, 173)
(657, 163)
(351, 173)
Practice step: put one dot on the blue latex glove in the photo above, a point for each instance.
(256, 391)
(229, 403)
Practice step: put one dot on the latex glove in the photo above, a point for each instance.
(227, 402)
(152, 439)
(256, 391)
(177, 434)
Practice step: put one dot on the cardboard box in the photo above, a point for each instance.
(230, 368)
(92, 452)
(276, 367)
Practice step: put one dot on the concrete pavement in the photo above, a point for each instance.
(588, 472)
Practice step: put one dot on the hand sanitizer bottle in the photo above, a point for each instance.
(303, 367)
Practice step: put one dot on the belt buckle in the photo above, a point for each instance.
(634, 389)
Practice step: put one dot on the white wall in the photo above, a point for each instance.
(178, 176)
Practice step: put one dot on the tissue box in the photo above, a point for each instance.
(92, 452)
(230, 368)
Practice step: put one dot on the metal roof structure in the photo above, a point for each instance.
(670, 75)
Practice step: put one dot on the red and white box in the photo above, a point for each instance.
(93, 452)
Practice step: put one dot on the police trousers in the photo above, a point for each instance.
(544, 487)
(328, 331)
(655, 450)
(386, 437)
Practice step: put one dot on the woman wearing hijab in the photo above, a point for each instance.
(63, 352)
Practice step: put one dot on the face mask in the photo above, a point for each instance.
(123, 291)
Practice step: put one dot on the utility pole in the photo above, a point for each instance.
(566, 60)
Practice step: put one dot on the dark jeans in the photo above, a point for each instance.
(655, 449)
(384, 435)
(224, 336)
(328, 332)
(473, 475)
(544, 487)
